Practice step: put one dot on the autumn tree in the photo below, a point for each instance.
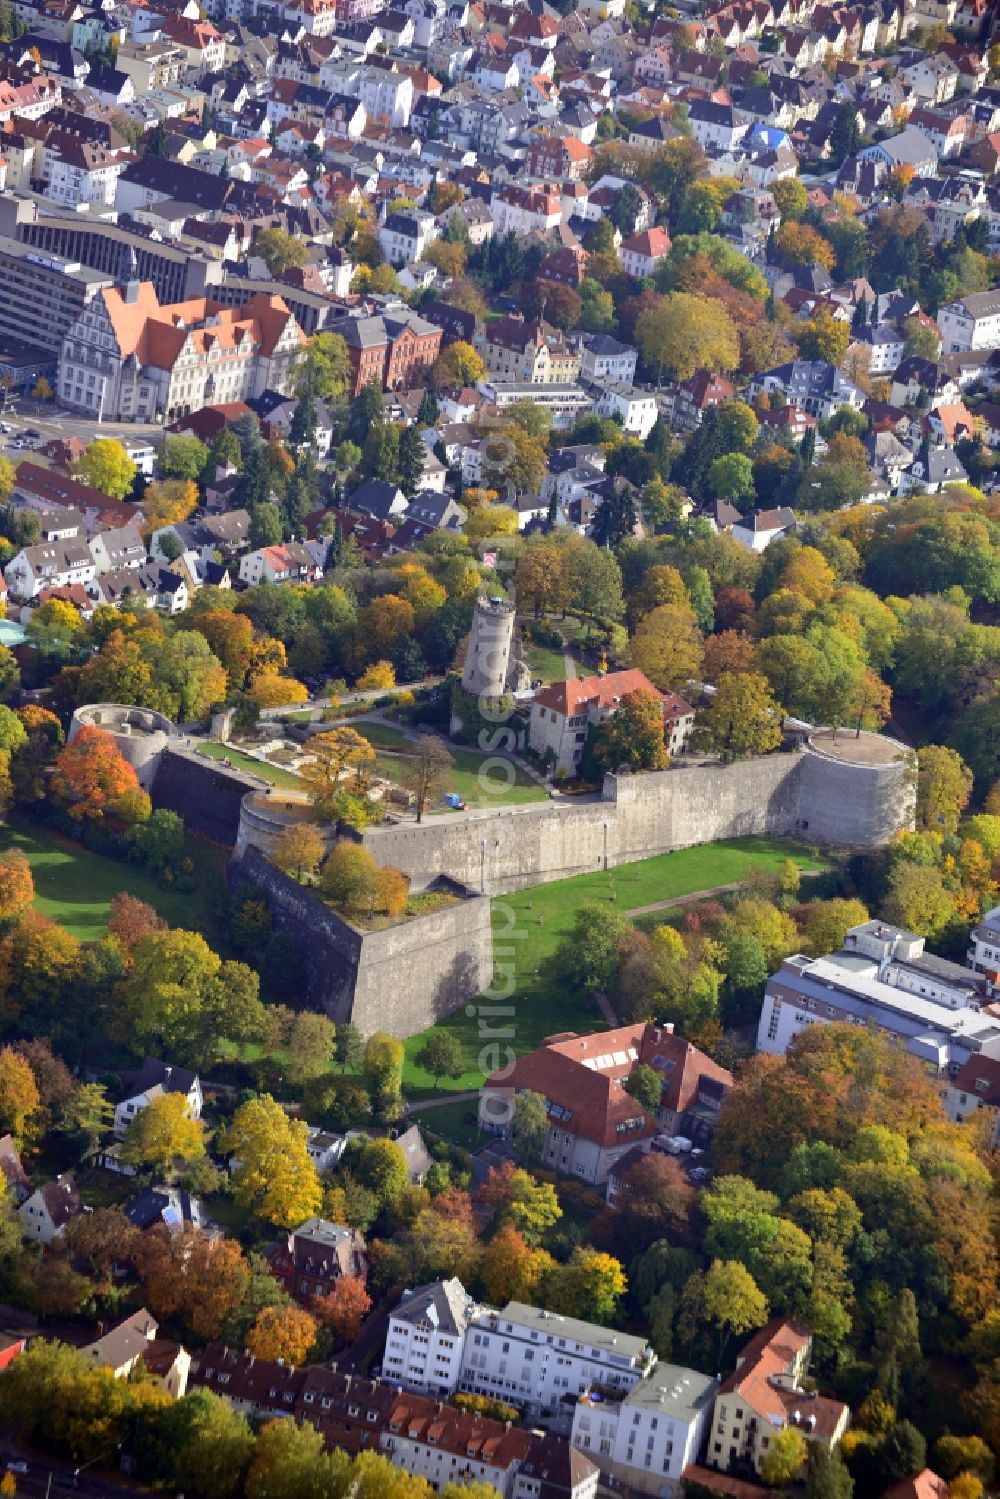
(944, 786)
(590, 1285)
(511, 1270)
(287, 1333)
(279, 250)
(785, 1457)
(383, 1070)
(166, 502)
(131, 920)
(343, 1309)
(290, 1462)
(90, 777)
(633, 735)
(193, 1276)
(683, 333)
(163, 1134)
(727, 1298)
(275, 1176)
(743, 718)
(298, 850)
(105, 465)
(801, 245)
(427, 770)
(667, 647)
(17, 887)
(458, 365)
(20, 1102)
(330, 756)
(541, 579)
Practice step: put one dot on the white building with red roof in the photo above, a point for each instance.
(563, 713)
(641, 254)
(594, 1122)
(765, 1394)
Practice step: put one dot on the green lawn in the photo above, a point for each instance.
(273, 773)
(464, 779)
(545, 662)
(75, 887)
(529, 925)
(452, 1122)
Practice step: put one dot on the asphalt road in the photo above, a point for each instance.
(50, 419)
(50, 1477)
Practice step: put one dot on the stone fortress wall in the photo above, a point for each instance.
(845, 792)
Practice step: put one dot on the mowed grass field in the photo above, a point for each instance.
(528, 927)
(76, 887)
(463, 779)
(273, 773)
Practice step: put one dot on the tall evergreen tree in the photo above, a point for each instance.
(412, 452)
(367, 408)
(302, 428)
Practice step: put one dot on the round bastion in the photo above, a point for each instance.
(855, 790)
(140, 735)
(264, 817)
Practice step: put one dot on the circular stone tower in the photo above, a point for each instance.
(488, 658)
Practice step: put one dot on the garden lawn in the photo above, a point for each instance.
(75, 887)
(273, 773)
(463, 779)
(528, 927)
(545, 662)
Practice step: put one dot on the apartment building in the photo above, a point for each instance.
(516, 350)
(984, 954)
(646, 1440)
(426, 1337)
(542, 1362)
(971, 323)
(883, 978)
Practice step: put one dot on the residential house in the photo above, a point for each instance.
(153, 1080)
(604, 358)
(45, 1214)
(971, 323)
(122, 547)
(642, 253)
(49, 564)
(765, 1395)
(286, 562)
(636, 410)
(911, 148)
(405, 237)
(759, 528)
(817, 387)
(976, 1086)
(309, 1261)
(533, 352)
(122, 1347)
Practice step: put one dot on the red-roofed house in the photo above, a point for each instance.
(563, 714)
(764, 1395)
(641, 254)
(594, 1122)
(925, 1485)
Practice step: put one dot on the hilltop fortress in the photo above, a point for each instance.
(849, 791)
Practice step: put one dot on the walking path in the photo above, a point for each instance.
(693, 895)
(439, 1103)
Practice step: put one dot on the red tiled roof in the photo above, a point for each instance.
(579, 693)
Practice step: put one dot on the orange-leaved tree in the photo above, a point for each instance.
(90, 776)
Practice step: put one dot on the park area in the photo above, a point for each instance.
(529, 925)
(76, 887)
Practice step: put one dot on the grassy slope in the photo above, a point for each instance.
(75, 887)
(529, 926)
(463, 779)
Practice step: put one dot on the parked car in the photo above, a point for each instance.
(17, 1466)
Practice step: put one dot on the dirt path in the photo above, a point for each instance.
(693, 895)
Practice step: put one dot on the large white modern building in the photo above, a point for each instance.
(972, 323)
(543, 1362)
(647, 1439)
(883, 979)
